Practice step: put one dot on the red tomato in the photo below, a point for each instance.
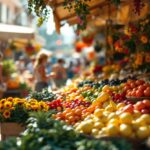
(146, 84)
(129, 93)
(139, 82)
(133, 85)
(147, 92)
(139, 93)
(139, 106)
(146, 102)
(142, 87)
(133, 93)
(134, 89)
(128, 108)
(126, 88)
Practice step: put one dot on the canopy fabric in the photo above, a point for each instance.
(13, 31)
(98, 11)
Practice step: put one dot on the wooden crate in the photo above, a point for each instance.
(10, 129)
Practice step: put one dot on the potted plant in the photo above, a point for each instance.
(14, 112)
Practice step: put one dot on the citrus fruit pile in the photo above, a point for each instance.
(102, 109)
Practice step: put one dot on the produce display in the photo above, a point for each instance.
(102, 109)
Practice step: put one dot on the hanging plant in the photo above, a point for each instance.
(116, 2)
(81, 9)
(40, 8)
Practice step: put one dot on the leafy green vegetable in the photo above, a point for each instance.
(45, 95)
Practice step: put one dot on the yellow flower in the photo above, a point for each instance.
(46, 108)
(41, 104)
(10, 99)
(7, 104)
(33, 101)
(6, 114)
(3, 101)
(1, 107)
(144, 39)
(19, 101)
(27, 106)
(35, 107)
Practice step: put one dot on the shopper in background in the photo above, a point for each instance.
(30, 65)
(40, 76)
(60, 73)
(2, 84)
(70, 70)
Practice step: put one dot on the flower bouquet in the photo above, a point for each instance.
(14, 113)
(17, 110)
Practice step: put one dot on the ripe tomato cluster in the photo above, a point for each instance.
(140, 106)
(56, 104)
(137, 88)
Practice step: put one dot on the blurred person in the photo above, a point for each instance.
(60, 73)
(77, 68)
(40, 76)
(30, 65)
(70, 70)
(2, 84)
(20, 64)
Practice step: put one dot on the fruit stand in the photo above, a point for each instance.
(106, 106)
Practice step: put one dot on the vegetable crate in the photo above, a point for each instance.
(10, 130)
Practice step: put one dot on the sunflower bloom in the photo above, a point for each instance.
(42, 105)
(3, 101)
(35, 107)
(1, 107)
(27, 106)
(10, 99)
(33, 102)
(7, 104)
(6, 114)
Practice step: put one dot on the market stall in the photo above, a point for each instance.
(106, 106)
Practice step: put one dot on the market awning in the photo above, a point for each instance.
(13, 31)
(98, 11)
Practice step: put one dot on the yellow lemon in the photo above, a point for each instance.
(104, 120)
(96, 119)
(98, 112)
(105, 104)
(112, 116)
(87, 126)
(120, 105)
(106, 113)
(136, 114)
(110, 108)
(98, 125)
(112, 130)
(143, 132)
(114, 121)
(145, 118)
(126, 118)
(103, 131)
(102, 97)
(95, 131)
(140, 122)
(125, 130)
